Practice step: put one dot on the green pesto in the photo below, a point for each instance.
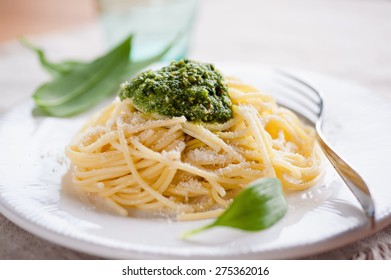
(184, 88)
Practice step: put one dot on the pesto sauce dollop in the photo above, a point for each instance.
(184, 88)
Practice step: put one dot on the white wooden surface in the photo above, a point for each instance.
(349, 39)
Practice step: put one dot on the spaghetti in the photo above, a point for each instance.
(192, 170)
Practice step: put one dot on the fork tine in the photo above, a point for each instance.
(315, 92)
(294, 99)
(290, 98)
(301, 110)
(295, 87)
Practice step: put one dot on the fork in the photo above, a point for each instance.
(307, 102)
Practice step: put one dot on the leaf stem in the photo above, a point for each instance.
(189, 233)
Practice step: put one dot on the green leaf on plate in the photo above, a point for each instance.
(257, 207)
(55, 69)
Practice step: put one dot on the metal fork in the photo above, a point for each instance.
(307, 102)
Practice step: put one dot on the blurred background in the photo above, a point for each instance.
(347, 39)
(40, 16)
(350, 39)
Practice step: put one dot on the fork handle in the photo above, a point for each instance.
(352, 179)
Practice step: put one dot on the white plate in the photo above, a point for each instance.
(32, 164)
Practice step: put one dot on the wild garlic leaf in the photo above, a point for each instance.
(91, 95)
(108, 85)
(257, 207)
(99, 77)
(55, 69)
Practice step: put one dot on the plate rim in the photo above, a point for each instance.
(288, 252)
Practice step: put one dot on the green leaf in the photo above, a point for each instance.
(257, 207)
(99, 77)
(55, 69)
(90, 95)
(108, 85)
